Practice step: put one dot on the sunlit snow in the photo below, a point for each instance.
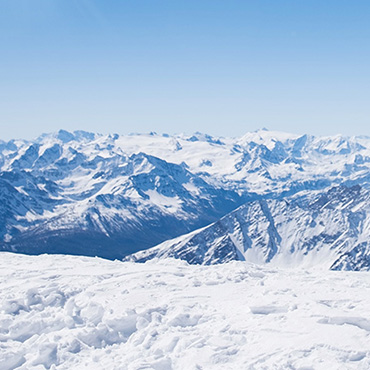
(64, 312)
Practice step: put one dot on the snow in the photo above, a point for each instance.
(306, 230)
(168, 204)
(84, 165)
(64, 312)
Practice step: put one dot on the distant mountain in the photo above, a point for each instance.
(331, 229)
(79, 194)
(110, 195)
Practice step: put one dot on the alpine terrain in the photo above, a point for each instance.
(264, 197)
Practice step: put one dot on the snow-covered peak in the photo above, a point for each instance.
(267, 138)
(259, 162)
(89, 181)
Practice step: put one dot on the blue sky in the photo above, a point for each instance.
(221, 67)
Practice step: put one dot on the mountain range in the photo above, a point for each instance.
(266, 197)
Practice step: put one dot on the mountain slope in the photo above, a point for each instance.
(331, 229)
(106, 207)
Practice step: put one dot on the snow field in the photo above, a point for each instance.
(65, 312)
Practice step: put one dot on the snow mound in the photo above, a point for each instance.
(64, 312)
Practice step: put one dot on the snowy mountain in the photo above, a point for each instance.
(65, 194)
(331, 229)
(111, 195)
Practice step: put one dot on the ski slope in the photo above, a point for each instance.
(68, 312)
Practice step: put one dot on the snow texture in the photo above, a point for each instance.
(68, 312)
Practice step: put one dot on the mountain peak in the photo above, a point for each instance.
(112, 195)
(65, 136)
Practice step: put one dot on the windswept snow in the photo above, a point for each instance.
(64, 312)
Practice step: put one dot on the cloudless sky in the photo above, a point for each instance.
(222, 67)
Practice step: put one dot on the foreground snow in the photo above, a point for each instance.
(63, 312)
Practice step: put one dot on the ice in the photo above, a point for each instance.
(63, 312)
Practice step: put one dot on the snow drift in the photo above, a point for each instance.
(66, 312)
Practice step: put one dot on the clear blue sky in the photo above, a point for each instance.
(218, 66)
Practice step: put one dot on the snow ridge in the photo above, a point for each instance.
(329, 229)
